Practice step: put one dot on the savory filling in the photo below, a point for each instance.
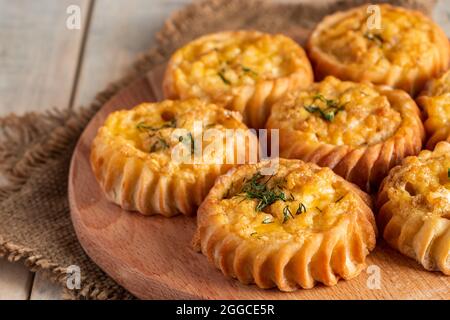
(291, 203)
(441, 86)
(438, 106)
(340, 113)
(405, 39)
(438, 111)
(424, 188)
(156, 129)
(224, 62)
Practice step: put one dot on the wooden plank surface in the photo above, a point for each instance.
(441, 15)
(38, 54)
(42, 57)
(117, 35)
(15, 281)
(129, 29)
(43, 289)
(154, 265)
(119, 31)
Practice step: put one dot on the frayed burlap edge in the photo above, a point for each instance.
(20, 154)
(30, 141)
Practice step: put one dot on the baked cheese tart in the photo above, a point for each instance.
(293, 229)
(435, 101)
(359, 130)
(414, 203)
(244, 71)
(403, 51)
(152, 159)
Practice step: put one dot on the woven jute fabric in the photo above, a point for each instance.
(36, 148)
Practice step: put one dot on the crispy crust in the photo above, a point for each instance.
(253, 101)
(411, 80)
(435, 102)
(151, 183)
(365, 165)
(413, 222)
(442, 134)
(325, 256)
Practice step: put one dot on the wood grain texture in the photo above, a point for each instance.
(36, 49)
(118, 33)
(38, 54)
(44, 289)
(152, 256)
(15, 281)
(441, 15)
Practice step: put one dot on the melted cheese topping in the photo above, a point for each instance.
(323, 199)
(357, 113)
(405, 39)
(215, 64)
(440, 86)
(422, 186)
(437, 105)
(153, 130)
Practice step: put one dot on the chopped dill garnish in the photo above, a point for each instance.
(287, 214)
(256, 189)
(328, 114)
(267, 221)
(331, 110)
(301, 209)
(250, 71)
(159, 145)
(377, 38)
(318, 209)
(224, 79)
(169, 124)
(329, 102)
(339, 200)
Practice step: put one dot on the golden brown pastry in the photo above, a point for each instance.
(435, 101)
(151, 159)
(404, 52)
(414, 203)
(245, 71)
(359, 130)
(298, 227)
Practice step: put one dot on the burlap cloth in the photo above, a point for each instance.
(35, 149)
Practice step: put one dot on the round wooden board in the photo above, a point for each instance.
(152, 257)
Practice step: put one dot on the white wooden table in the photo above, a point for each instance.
(58, 67)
